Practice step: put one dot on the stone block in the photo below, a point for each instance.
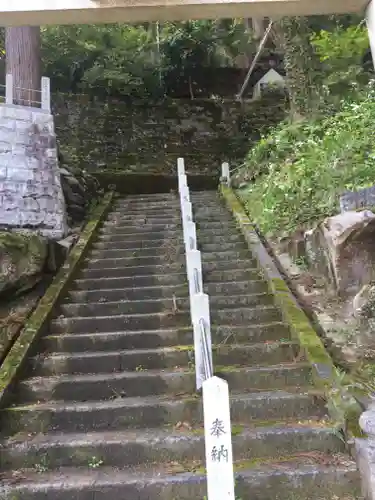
(3, 172)
(5, 147)
(21, 126)
(20, 174)
(21, 113)
(30, 204)
(41, 117)
(342, 249)
(31, 218)
(7, 123)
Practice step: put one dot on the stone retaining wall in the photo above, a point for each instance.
(30, 190)
(148, 137)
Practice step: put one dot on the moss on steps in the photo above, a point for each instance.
(342, 407)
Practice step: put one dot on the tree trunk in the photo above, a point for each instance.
(300, 66)
(23, 61)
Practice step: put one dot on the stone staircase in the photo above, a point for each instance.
(109, 406)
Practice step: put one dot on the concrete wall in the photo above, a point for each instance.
(30, 190)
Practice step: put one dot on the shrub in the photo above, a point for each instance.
(300, 169)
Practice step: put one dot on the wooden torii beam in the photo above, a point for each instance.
(43, 12)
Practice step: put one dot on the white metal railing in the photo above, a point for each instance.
(27, 97)
(216, 406)
(225, 173)
(199, 302)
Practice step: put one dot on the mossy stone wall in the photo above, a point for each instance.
(146, 137)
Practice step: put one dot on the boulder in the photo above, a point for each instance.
(80, 189)
(22, 260)
(342, 248)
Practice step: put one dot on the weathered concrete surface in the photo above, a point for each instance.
(30, 189)
(112, 383)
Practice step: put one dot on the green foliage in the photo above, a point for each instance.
(302, 168)
(135, 59)
(116, 57)
(341, 51)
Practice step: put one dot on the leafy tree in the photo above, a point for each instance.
(300, 65)
(342, 51)
(117, 58)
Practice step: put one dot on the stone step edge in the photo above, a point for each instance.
(168, 350)
(162, 300)
(161, 276)
(56, 406)
(145, 436)
(163, 331)
(155, 287)
(172, 268)
(79, 479)
(101, 377)
(159, 314)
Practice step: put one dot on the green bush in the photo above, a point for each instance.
(301, 169)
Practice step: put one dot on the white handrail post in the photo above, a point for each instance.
(200, 307)
(46, 94)
(218, 439)
(180, 166)
(187, 211)
(225, 173)
(9, 89)
(190, 233)
(194, 271)
(184, 194)
(182, 182)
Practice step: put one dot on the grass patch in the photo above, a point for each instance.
(293, 177)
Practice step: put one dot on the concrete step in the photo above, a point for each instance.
(167, 292)
(172, 232)
(133, 227)
(162, 358)
(106, 308)
(143, 217)
(124, 218)
(101, 250)
(151, 225)
(130, 322)
(162, 280)
(102, 386)
(149, 198)
(129, 294)
(295, 479)
(167, 268)
(139, 236)
(94, 263)
(129, 449)
(154, 411)
(148, 211)
(147, 204)
(169, 237)
(112, 341)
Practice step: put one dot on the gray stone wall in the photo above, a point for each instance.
(148, 137)
(31, 196)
